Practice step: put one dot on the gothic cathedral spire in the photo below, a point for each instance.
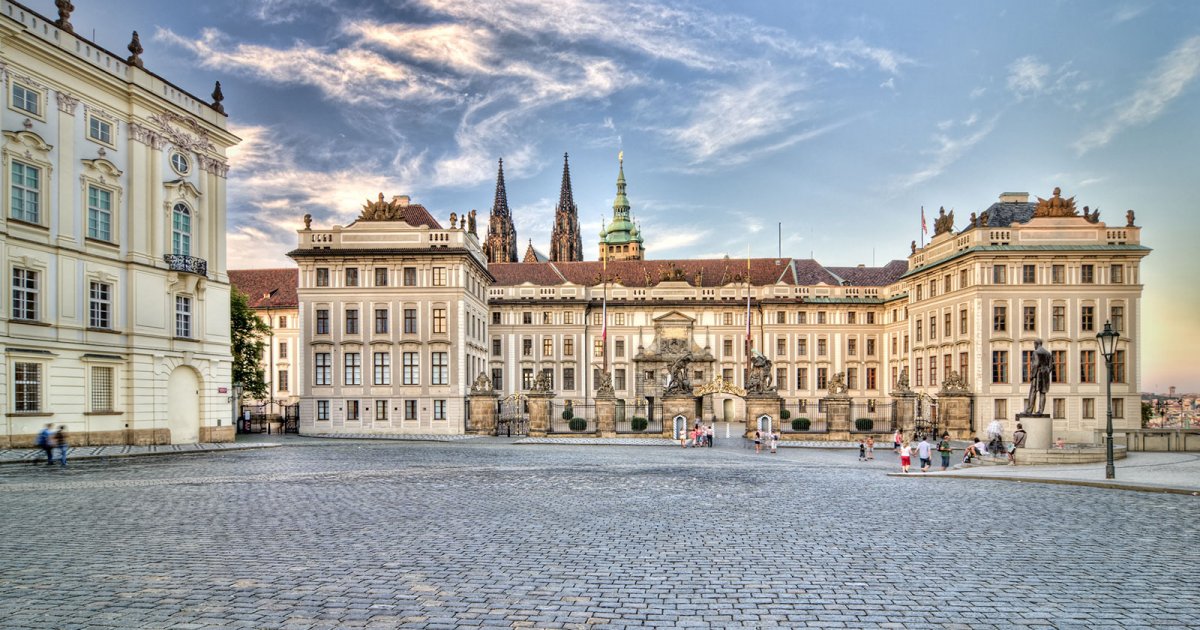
(501, 243)
(566, 243)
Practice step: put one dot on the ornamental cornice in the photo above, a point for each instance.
(66, 102)
(216, 166)
(181, 139)
(146, 136)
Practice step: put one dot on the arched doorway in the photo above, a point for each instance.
(765, 424)
(183, 405)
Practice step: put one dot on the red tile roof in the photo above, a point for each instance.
(256, 283)
(646, 273)
(871, 276)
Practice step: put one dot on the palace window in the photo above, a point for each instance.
(322, 321)
(526, 378)
(526, 318)
(999, 318)
(1000, 366)
(439, 410)
(1118, 405)
(100, 130)
(920, 330)
(1117, 317)
(1000, 407)
(822, 347)
(780, 317)
(619, 348)
(1087, 366)
(548, 347)
(441, 368)
(820, 317)
(920, 373)
(381, 276)
(870, 346)
(181, 230)
(381, 320)
(322, 276)
(25, 291)
(598, 348)
(410, 321)
(353, 368)
(1028, 274)
(323, 372)
(439, 276)
(1087, 318)
(546, 317)
(568, 347)
(323, 410)
(27, 99)
(1116, 274)
(183, 316)
(801, 378)
(781, 346)
(618, 319)
(802, 317)
(870, 318)
(383, 368)
(410, 410)
(100, 305)
(496, 346)
(852, 317)
(353, 411)
(727, 347)
(852, 347)
(1059, 372)
(1058, 274)
(569, 317)
(439, 321)
(1118, 367)
(933, 371)
(102, 389)
(962, 279)
(568, 378)
(1026, 365)
(351, 321)
(1058, 318)
(410, 276)
(498, 379)
(282, 382)
(822, 378)
(26, 190)
(999, 274)
(180, 163)
(99, 211)
(932, 327)
(496, 317)
(963, 364)
(852, 378)
(1029, 319)
(619, 379)
(802, 346)
(871, 378)
(412, 368)
(527, 347)
(1089, 408)
(1087, 274)
(380, 411)
(27, 387)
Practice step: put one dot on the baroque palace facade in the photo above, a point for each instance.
(449, 309)
(114, 314)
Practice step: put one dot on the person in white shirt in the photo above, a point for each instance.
(905, 456)
(925, 452)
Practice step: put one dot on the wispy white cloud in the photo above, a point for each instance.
(1027, 76)
(1173, 73)
(977, 92)
(1126, 12)
(947, 151)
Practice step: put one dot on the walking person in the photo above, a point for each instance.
(757, 442)
(944, 450)
(925, 452)
(774, 442)
(1019, 436)
(905, 456)
(870, 447)
(45, 441)
(708, 435)
(862, 451)
(897, 437)
(60, 440)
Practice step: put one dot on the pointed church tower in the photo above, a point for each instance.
(621, 239)
(501, 243)
(566, 243)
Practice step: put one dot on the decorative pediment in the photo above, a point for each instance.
(181, 190)
(167, 121)
(26, 142)
(100, 169)
(674, 317)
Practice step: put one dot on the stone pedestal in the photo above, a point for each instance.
(677, 406)
(837, 409)
(955, 413)
(606, 416)
(1038, 429)
(905, 404)
(759, 405)
(539, 413)
(484, 411)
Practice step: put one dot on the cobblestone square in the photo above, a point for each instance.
(477, 533)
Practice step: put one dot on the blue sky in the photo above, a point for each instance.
(839, 120)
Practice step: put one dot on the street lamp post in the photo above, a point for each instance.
(1108, 344)
(269, 297)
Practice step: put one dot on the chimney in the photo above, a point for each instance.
(1014, 197)
(401, 200)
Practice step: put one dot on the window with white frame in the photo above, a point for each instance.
(439, 410)
(383, 368)
(440, 370)
(100, 305)
(180, 163)
(353, 411)
(353, 368)
(412, 368)
(100, 130)
(410, 410)
(27, 99)
(26, 191)
(183, 316)
(323, 410)
(323, 372)
(25, 289)
(181, 230)
(439, 276)
(380, 411)
(102, 388)
(27, 387)
(439, 320)
(99, 209)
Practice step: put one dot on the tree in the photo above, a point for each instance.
(1147, 413)
(246, 331)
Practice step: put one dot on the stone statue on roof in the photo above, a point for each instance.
(1055, 206)
(944, 222)
(1129, 219)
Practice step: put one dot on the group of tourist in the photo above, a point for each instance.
(770, 437)
(700, 435)
(924, 448)
(48, 440)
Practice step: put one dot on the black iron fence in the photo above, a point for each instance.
(640, 424)
(803, 416)
(872, 417)
(513, 417)
(570, 417)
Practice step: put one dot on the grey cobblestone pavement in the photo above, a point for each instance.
(405, 437)
(482, 534)
(29, 455)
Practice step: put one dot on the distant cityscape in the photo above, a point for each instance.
(1172, 410)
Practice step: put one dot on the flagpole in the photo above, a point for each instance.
(749, 342)
(923, 228)
(604, 314)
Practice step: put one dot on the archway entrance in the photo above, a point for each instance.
(765, 424)
(183, 405)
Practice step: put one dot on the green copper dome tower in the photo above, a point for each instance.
(621, 239)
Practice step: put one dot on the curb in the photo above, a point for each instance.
(84, 458)
(1109, 485)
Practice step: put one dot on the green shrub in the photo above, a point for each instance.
(864, 424)
(785, 414)
(577, 424)
(567, 415)
(638, 424)
(801, 424)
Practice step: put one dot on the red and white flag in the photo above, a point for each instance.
(924, 227)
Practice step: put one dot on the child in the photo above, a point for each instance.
(1058, 443)
(870, 447)
(905, 456)
(862, 451)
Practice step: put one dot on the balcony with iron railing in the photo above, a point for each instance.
(186, 264)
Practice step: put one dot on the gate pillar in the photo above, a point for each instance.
(539, 413)
(484, 411)
(758, 405)
(606, 415)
